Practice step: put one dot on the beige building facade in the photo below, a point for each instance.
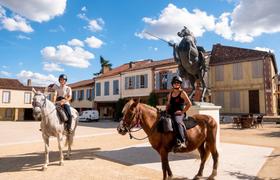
(241, 80)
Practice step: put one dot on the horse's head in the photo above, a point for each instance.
(184, 32)
(38, 102)
(130, 118)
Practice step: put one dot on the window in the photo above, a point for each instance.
(98, 89)
(27, 98)
(73, 95)
(234, 99)
(257, 69)
(106, 88)
(89, 94)
(144, 81)
(6, 96)
(115, 87)
(130, 82)
(80, 95)
(219, 73)
(237, 71)
(163, 80)
(219, 99)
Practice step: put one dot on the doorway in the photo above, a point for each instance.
(254, 103)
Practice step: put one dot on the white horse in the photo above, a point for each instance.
(51, 125)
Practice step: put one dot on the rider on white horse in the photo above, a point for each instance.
(62, 96)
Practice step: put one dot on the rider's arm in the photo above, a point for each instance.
(55, 96)
(68, 97)
(188, 102)
(168, 102)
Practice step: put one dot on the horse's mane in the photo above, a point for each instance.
(149, 107)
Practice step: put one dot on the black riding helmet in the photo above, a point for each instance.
(176, 79)
(62, 76)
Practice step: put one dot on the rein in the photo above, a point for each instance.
(130, 131)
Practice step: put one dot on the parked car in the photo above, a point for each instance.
(89, 115)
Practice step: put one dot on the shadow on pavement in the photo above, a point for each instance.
(105, 124)
(34, 161)
(140, 155)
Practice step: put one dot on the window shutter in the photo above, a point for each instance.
(169, 79)
(157, 82)
(137, 81)
(126, 82)
(93, 93)
(133, 81)
(146, 81)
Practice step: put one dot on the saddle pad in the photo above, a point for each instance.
(189, 122)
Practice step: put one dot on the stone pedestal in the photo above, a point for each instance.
(207, 109)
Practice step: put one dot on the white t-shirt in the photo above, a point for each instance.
(64, 91)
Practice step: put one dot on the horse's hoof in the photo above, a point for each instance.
(61, 163)
(67, 157)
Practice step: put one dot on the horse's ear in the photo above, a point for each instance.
(185, 27)
(34, 91)
(135, 103)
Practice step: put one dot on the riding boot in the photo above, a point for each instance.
(69, 121)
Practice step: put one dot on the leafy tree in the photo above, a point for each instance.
(119, 106)
(152, 101)
(103, 63)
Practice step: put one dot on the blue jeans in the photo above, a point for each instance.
(180, 127)
(69, 115)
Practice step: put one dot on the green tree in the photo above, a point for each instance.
(119, 106)
(103, 63)
(152, 101)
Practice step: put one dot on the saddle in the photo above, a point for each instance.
(166, 124)
(61, 113)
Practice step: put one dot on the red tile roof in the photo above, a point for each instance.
(14, 84)
(227, 55)
(88, 82)
(136, 65)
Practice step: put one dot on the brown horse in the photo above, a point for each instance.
(201, 137)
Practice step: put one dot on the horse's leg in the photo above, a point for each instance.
(69, 142)
(59, 140)
(164, 163)
(204, 154)
(214, 153)
(203, 89)
(46, 141)
(192, 81)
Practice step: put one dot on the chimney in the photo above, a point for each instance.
(131, 64)
(105, 69)
(28, 82)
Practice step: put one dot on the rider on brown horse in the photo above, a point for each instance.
(177, 98)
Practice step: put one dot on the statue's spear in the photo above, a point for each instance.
(157, 37)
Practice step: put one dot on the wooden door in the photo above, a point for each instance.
(254, 103)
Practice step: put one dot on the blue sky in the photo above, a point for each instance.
(40, 40)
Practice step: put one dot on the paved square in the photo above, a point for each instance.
(236, 161)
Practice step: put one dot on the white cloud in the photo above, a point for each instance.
(52, 67)
(5, 73)
(95, 25)
(17, 23)
(63, 54)
(60, 28)
(4, 66)
(75, 42)
(166, 26)
(93, 42)
(264, 49)
(23, 37)
(36, 78)
(36, 10)
(84, 9)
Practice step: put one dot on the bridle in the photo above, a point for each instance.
(136, 115)
(38, 104)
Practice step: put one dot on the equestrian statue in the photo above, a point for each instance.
(190, 60)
